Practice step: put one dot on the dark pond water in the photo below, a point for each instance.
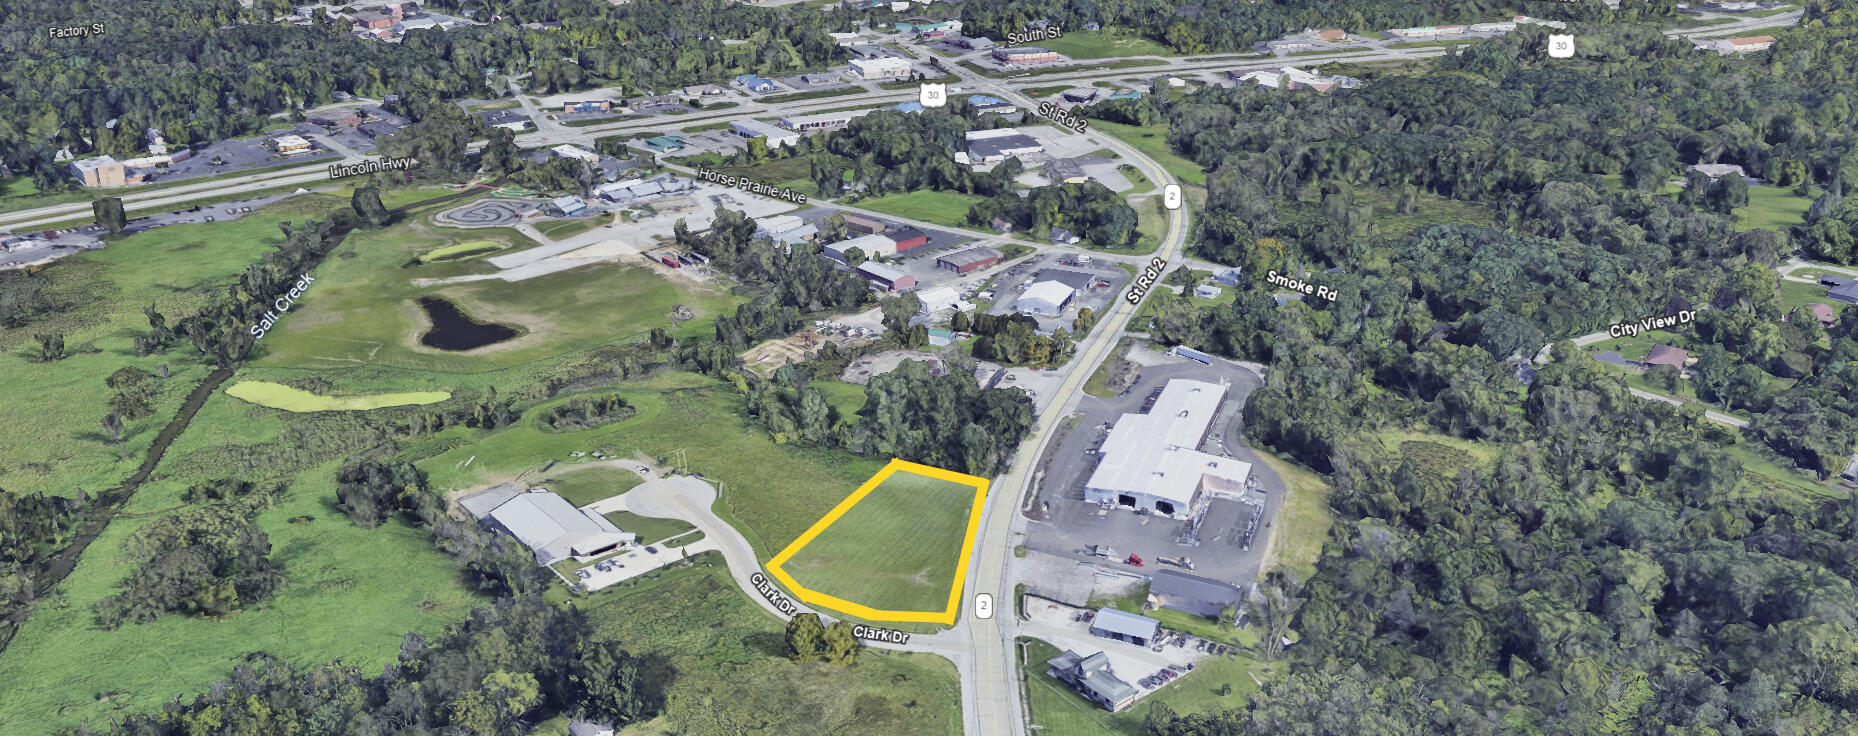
(452, 329)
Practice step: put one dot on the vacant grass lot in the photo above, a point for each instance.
(895, 550)
(102, 294)
(1103, 45)
(280, 396)
(349, 593)
(722, 664)
(362, 310)
(1153, 141)
(582, 486)
(1060, 710)
(1771, 207)
(564, 229)
(1302, 524)
(770, 492)
(948, 209)
(461, 250)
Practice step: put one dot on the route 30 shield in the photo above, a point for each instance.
(1561, 47)
(935, 95)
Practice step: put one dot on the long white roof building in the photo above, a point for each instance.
(1150, 461)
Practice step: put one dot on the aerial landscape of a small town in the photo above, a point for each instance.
(928, 368)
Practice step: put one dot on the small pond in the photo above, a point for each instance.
(452, 329)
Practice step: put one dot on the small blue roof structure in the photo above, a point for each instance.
(909, 107)
(985, 100)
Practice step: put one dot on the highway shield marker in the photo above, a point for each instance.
(816, 598)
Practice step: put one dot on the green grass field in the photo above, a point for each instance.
(948, 209)
(848, 397)
(721, 661)
(895, 550)
(1058, 709)
(1302, 524)
(1153, 141)
(1771, 207)
(287, 398)
(362, 310)
(564, 229)
(349, 593)
(177, 269)
(1104, 45)
(582, 486)
(770, 492)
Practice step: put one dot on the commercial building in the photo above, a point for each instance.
(990, 105)
(1000, 144)
(1024, 55)
(886, 277)
(568, 206)
(908, 238)
(546, 523)
(883, 67)
(776, 136)
(1045, 299)
(937, 299)
(588, 106)
(509, 119)
(862, 224)
(1290, 77)
(968, 260)
(1110, 623)
(1092, 678)
(753, 83)
(1192, 594)
(796, 235)
(102, 171)
(1740, 45)
(567, 151)
(1426, 32)
(871, 246)
(777, 223)
(820, 121)
(1150, 463)
(665, 144)
(1065, 171)
(289, 144)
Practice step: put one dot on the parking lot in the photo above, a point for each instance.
(1104, 283)
(1232, 534)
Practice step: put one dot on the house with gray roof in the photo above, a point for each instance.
(1177, 591)
(546, 523)
(1092, 677)
(1846, 292)
(1110, 623)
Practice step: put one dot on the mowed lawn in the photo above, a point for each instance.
(1153, 141)
(362, 309)
(349, 593)
(895, 550)
(948, 209)
(722, 666)
(1103, 45)
(770, 492)
(102, 294)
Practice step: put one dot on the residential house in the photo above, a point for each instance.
(1824, 314)
(1092, 677)
(1718, 171)
(1846, 292)
(1062, 236)
(1667, 355)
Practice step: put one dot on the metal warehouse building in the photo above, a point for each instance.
(1150, 462)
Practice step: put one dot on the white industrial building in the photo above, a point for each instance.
(1150, 463)
(1000, 144)
(937, 299)
(883, 67)
(567, 151)
(872, 246)
(776, 136)
(546, 523)
(1045, 298)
